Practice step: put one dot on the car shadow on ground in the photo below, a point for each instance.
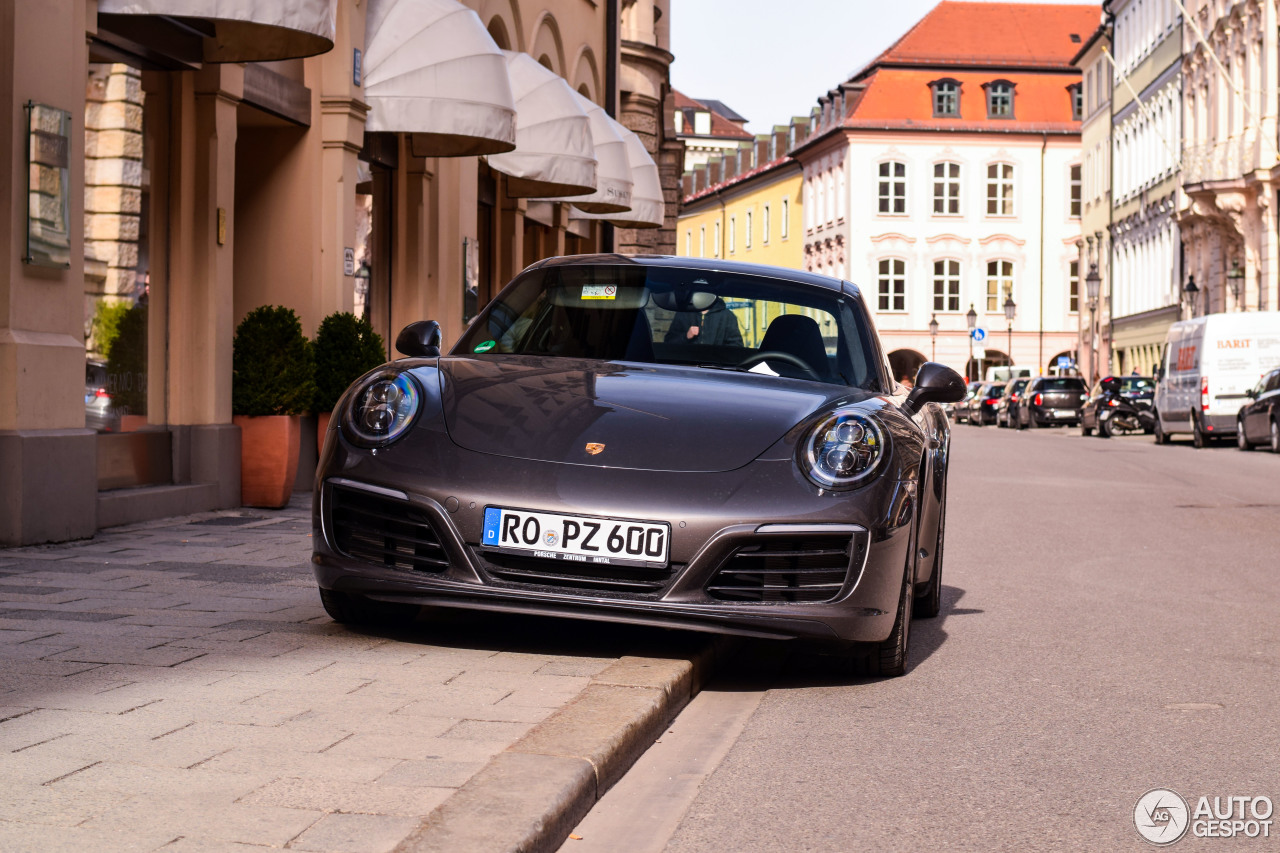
(449, 627)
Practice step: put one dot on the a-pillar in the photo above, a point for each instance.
(48, 475)
(201, 277)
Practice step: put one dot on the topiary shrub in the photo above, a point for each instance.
(273, 370)
(346, 348)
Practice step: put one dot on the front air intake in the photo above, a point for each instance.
(808, 568)
(384, 531)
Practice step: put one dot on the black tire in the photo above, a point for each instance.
(1104, 429)
(1275, 436)
(1032, 422)
(887, 659)
(1161, 437)
(1242, 440)
(928, 603)
(1198, 436)
(1021, 425)
(1084, 430)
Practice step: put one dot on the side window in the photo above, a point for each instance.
(1274, 383)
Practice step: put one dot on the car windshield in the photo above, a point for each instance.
(1137, 384)
(665, 315)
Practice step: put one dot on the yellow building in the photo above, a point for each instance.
(753, 216)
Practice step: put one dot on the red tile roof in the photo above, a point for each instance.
(995, 34)
(721, 127)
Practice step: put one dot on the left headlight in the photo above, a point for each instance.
(844, 449)
(382, 408)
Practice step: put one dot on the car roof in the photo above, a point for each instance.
(708, 264)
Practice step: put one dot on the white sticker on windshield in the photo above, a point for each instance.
(599, 291)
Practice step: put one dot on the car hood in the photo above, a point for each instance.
(647, 417)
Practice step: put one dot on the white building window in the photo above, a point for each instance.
(1077, 191)
(764, 225)
(840, 193)
(746, 233)
(688, 244)
(999, 284)
(893, 188)
(1000, 189)
(831, 199)
(733, 234)
(702, 242)
(784, 226)
(946, 189)
(892, 284)
(946, 285)
(1073, 286)
(715, 247)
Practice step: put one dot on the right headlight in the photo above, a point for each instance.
(844, 449)
(382, 408)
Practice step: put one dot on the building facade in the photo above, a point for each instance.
(1228, 210)
(706, 131)
(1095, 219)
(269, 157)
(1144, 287)
(947, 175)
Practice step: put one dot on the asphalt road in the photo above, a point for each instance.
(1109, 626)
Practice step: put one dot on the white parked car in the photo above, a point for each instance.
(1209, 365)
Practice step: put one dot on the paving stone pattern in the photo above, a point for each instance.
(176, 686)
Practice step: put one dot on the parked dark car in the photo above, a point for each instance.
(566, 459)
(1052, 400)
(1007, 408)
(982, 405)
(960, 410)
(1259, 420)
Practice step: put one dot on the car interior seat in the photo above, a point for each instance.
(800, 336)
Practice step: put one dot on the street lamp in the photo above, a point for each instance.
(933, 338)
(1010, 311)
(1235, 279)
(972, 319)
(1190, 292)
(1092, 282)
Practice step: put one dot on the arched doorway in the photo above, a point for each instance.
(1063, 364)
(976, 369)
(904, 363)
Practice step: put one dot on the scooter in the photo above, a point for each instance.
(1118, 415)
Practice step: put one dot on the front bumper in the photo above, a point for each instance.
(713, 517)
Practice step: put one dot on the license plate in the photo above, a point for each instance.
(1065, 413)
(576, 538)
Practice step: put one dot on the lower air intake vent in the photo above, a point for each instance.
(805, 568)
(385, 531)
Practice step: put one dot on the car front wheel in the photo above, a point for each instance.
(1242, 440)
(1198, 436)
(1161, 436)
(929, 603)
(349, 609)
(1275, 436)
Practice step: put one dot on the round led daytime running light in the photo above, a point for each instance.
(383, 408)
(843, 450)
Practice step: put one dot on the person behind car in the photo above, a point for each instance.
(714, 325)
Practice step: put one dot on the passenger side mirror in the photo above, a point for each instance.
(1252, 393)
(420, 339)
(935, 383)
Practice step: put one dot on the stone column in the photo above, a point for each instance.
(48, 468)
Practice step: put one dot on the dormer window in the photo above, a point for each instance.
(1076, 93)
(999, 99)
(702, 123)
(946, 98)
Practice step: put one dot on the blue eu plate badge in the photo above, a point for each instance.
(492, 518)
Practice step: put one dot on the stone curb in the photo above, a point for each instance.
(528, 798)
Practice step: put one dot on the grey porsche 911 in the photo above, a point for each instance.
(654, 440)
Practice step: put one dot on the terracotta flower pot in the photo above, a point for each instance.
(268, 458)
(322, 427)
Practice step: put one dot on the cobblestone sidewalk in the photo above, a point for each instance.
(176, 686)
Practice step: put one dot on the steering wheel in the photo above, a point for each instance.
(771, 355)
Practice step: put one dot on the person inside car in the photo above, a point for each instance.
(714, 325)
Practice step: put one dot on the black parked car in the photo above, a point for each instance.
(1259, 419)
(1007, 409)
(982, 405)
(1128, 397)
(567, 458)
(1052, 400)
(960, 411)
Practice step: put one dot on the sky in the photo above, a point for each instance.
(770, 60)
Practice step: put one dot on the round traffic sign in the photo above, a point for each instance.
(978, 334)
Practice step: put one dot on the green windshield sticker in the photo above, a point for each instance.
(485, 346)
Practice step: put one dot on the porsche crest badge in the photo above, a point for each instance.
(594, 449)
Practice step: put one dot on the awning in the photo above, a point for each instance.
(647, 207)
(431, 70)
(613, 169)
(554, 155)
(245, 30)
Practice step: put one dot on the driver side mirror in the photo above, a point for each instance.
(935, 383)
(420, 339)
(1252, 393)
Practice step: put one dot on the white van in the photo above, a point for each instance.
(1208, 365)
